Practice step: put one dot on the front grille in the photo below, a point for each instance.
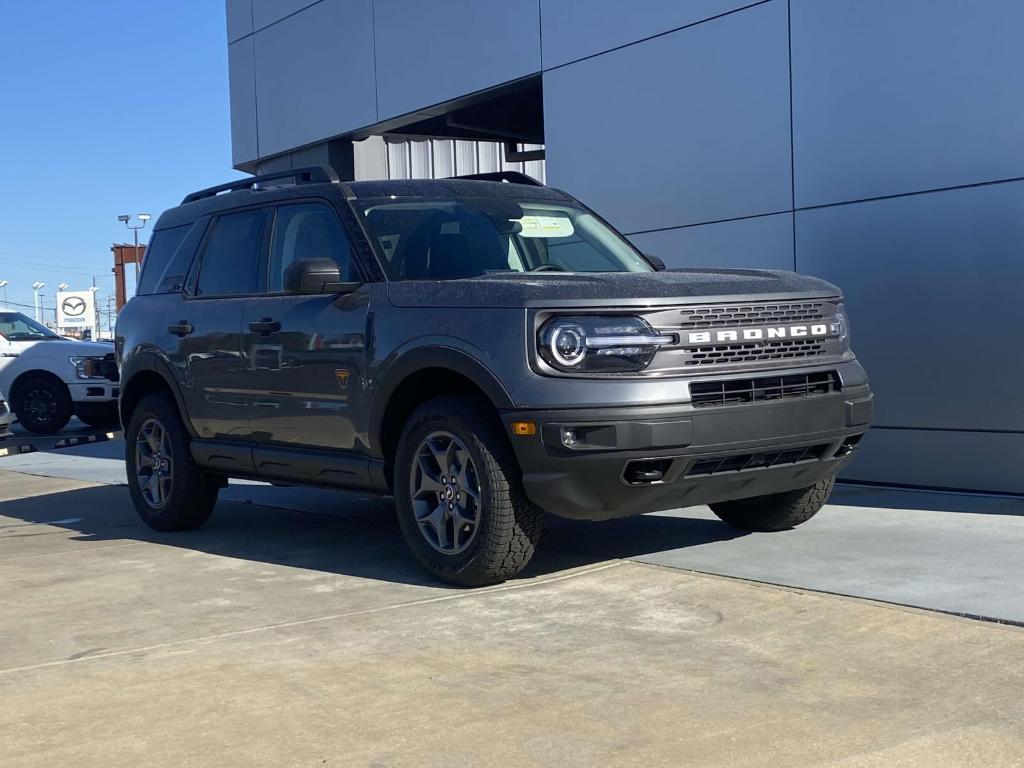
(107, 368)
(725, 354)
(739, 462)
(704, 394)
(751, 314)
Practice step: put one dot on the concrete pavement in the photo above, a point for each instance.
(274, 637)
(959, 553)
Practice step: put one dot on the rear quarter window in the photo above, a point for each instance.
(166, 263)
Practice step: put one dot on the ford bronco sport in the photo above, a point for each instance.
(486, 349)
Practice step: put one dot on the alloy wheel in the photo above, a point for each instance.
(445, 492)
(40, 406)
(153, 463)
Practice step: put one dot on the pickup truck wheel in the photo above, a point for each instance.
(169, 491)
(777, 511)
(459, 495)
(43, 405)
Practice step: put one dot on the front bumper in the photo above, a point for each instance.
(698, 455)
(94, 391)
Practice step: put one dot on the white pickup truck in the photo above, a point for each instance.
(48, 378)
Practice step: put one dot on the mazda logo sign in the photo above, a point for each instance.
(73, 306)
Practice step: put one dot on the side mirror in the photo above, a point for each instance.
(314, 276)
(658, 264)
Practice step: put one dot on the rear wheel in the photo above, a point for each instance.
(777, 511)
(459, 495)
(43, 405)
(170, 492)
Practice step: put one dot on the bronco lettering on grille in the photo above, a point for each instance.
(817, 330)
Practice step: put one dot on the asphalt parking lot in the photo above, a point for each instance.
(295, 630)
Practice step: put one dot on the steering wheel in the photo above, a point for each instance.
(549, 268)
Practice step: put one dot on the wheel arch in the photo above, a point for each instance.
(421, 375)
(143, 375)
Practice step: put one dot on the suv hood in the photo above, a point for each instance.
(639, 288)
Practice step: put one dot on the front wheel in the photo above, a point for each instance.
(777, 511)
(459, 495)
(170, 492)
(43, 405)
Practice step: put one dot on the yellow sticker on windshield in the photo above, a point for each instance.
(546, 226)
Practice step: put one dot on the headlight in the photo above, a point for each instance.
(843, 323)
(86, 367)
(589, 344)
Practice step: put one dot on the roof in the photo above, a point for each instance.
(321, 180)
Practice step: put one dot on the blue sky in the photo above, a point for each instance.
(105, 108)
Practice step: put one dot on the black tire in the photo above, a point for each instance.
(507, 524)
(43, 405)
(778, 511)
(189, 497)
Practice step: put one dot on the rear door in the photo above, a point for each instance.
(305, 353)
(209, 358)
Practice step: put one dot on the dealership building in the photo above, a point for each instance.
(876, 143)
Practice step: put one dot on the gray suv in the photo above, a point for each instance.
(485, 349)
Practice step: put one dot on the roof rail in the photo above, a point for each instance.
(313, 174)
(512, 177)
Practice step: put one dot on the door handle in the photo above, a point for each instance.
(265, 327)
(180, 329)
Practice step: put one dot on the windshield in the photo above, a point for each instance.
(451, 238)
(15, 326)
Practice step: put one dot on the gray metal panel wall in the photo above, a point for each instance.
(242, 92)
(983, 461)
(266, 12)
(892, 97)
(715, 96)
(577, 28)
(239, 19)
(314, 75)
(762, 242)
(431, 52)
(932, 282)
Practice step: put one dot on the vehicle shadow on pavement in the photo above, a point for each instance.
(361, 539)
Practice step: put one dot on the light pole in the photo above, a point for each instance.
(95, 333)
(126, 220)
(3, 286)
(36, 287)
(56, 302)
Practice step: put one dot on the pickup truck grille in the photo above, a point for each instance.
(107, 368)
(705, 394)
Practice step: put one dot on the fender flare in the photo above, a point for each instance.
(151, 362)
(433, 356)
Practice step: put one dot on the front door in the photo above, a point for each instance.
(305, 353)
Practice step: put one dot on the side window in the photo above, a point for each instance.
(230, 263)
(307, 231)
(162, 268)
